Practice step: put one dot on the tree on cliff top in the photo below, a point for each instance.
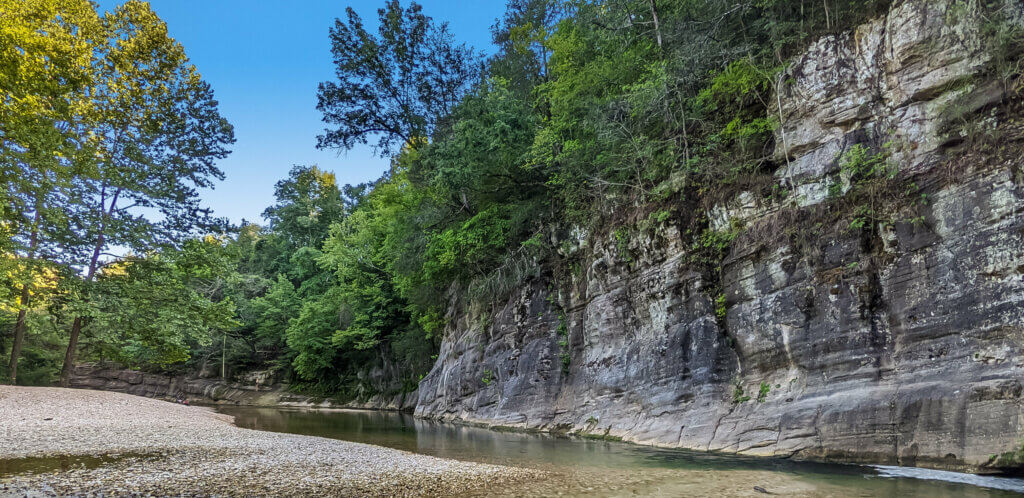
(397, 87)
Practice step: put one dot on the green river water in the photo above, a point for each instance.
(583, 467)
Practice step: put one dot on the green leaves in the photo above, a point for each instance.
(866, 175)
(395, 87)
(741, 84)
(308, 202)
(274, 310)
(152, 311)
(860, 164)
(470, 249)
(159, 134)
(108, 132)
(480, 160)
(310, 336)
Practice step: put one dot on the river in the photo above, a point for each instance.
(586, 467)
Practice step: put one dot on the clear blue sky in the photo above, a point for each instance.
(264, 60)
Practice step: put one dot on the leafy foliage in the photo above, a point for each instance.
(395, 87)
(166, 288)
(108, 132)
(865, 175)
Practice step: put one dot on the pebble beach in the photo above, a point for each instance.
(161, 448)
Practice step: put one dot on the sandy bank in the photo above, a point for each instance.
(175, 449)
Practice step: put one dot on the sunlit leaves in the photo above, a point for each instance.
(153, 310)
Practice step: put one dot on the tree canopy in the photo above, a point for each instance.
(108, 133)
(395, 87)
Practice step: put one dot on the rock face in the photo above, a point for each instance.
(267, 392)
(900, 344)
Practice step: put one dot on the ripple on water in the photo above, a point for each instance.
(993, 482)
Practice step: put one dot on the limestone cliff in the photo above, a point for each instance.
(900, 343)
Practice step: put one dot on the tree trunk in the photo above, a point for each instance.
(19, 335)
(223, 357)
(76, 327)
(657, 24)
(20, 325)
(69, 356)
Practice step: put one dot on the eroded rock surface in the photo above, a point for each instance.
(268, 391)
(901, 344)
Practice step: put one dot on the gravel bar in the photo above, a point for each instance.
(171, 449)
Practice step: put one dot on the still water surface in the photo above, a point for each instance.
(583, 467)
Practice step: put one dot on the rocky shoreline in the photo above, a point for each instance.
(256, 389)
(160, 448)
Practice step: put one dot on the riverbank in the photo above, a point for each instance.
(165, 448)
(600, 468)
(253, 389)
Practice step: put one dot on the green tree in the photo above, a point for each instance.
(310, 334)
(273, 312)
(378, 286)
(154, 310)
(46, 56)
(159, 135)
(481, 160)
(396, 87)
(357, 254)
(522, 37)
(307, 203)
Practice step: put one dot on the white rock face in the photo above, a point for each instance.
(896, 80)
(902, 345)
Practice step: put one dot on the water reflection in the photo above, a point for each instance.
(64, 463)
(593, 467)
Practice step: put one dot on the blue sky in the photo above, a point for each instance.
(264, 60)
